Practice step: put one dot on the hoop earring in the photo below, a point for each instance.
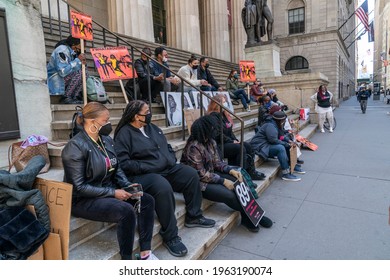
(93, 132)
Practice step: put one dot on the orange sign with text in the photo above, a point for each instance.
(81, 26)
(247, 71)
(113, 63)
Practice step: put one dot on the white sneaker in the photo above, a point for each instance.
(331, 130)
(248, 110)
(322, 131)
(152, 257)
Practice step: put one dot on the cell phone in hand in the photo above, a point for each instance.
(134, 189)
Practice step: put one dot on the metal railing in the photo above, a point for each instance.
(119, 40)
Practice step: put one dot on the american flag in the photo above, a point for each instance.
(362, 14)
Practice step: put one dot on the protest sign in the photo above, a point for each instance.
(81, 26)
(247, 71)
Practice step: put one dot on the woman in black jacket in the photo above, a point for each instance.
(91, 166)
(146, 157)
(232, 146)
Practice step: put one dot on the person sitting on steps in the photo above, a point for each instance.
(268, 143)
(205, 74)
(147, 158)
(64, 71)
(91, 166)
(232, 86)
(217, 178)
(231, 145)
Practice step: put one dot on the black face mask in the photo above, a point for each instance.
(207, 66)
(106, 129)
(195, 67)
(148, 118)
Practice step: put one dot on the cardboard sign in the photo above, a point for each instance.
(81, 26)
(247, 71)
(306, 142)
(58, 197)
(248, 202)
(191, 115)
(113, 63)
(293, 157)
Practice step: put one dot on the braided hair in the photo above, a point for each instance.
(203, 129)
(132, 109)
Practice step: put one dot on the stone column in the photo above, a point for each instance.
(215, 29)
(183, 25)
(238, 32)
(132, 18)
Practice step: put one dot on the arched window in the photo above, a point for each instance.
(296, 17)
(297, 63)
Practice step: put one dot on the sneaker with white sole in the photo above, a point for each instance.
(322, 131)
(298, 169)
(331, 130)
(290, 177)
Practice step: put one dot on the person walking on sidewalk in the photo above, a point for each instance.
(269, 142)
(217, 177)
(323, 99)
(363, 96)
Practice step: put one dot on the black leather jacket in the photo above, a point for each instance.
(85, 167)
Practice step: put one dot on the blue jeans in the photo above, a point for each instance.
(112, 210)
(282, 153)
(241, 94)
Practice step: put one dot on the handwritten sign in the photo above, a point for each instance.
(247, 71)
(248, 202)
(81, 26)
(113, 63)
(58, 198)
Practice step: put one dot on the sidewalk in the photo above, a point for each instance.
(340, 208)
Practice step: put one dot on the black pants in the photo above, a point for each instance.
(112, 210)
(219, 193)
(232, 153)
(181, 178)
(156, 88)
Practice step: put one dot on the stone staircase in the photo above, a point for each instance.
(95, 240)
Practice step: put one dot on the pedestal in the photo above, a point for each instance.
(266, 58)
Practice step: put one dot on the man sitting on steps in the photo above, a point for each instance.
(205, 74)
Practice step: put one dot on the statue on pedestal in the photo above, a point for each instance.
(253, 15)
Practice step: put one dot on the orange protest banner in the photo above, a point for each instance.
(81, 26)
(306, 142)
(113, 63)
(247, 71)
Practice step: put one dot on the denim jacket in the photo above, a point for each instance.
(61, 64)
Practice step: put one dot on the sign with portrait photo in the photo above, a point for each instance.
(113, 63)
(174, 106)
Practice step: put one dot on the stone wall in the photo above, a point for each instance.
(295, 90)
(29, 69)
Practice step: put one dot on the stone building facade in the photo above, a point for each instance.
(306, 31)
(382, 43)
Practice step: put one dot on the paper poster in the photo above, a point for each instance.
(227, 98)
(113, 63)
(81, 26)
(174, 106)
(247, 71)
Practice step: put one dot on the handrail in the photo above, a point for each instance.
(165, 69)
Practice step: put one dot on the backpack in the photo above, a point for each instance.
(96, 90)
(76, 128)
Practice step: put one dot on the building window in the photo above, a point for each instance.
(296, 21)
(297, 63)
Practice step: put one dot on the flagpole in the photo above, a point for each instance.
(361, 34)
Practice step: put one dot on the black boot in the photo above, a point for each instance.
(255, 175)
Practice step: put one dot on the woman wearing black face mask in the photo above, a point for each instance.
(190, 73)
(146, 157)
(91, 166)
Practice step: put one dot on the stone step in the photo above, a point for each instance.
(173, 134)
(93, 240)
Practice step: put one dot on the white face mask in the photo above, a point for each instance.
(165, 59)
(225, 104)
